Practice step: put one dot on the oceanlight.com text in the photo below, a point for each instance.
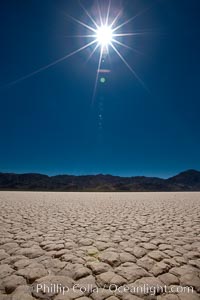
(144, 289)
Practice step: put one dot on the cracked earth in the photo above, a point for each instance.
(99, 241)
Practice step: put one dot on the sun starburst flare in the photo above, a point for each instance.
(105, 34)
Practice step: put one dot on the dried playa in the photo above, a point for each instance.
(98, 239)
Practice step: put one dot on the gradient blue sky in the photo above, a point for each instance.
(48, 123)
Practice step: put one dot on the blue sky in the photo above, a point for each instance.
(49, 123)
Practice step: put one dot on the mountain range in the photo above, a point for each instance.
(186, 181)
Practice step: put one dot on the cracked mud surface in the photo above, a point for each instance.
(99, 240)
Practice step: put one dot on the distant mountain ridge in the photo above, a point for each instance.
(186, 181)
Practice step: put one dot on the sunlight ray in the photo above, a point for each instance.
(127, 47)
(50, 65)
(82, 23)
(132, 18)
(80, 36)
(108, 13)
(121, 44)
(87, 13)
(115, 19)
(100, 16)
(124, 23)
(133, 33)
(128, 66)
(92, 53)
(126, 34)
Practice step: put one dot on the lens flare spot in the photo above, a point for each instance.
(102, 79)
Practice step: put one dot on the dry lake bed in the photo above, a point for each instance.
(98, 246)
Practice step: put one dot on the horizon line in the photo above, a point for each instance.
(95, 174)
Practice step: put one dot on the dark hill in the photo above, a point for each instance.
(188, 180)
(185, 181)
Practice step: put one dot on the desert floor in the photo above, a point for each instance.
(99, 246)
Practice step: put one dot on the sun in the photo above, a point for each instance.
(104, 35)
